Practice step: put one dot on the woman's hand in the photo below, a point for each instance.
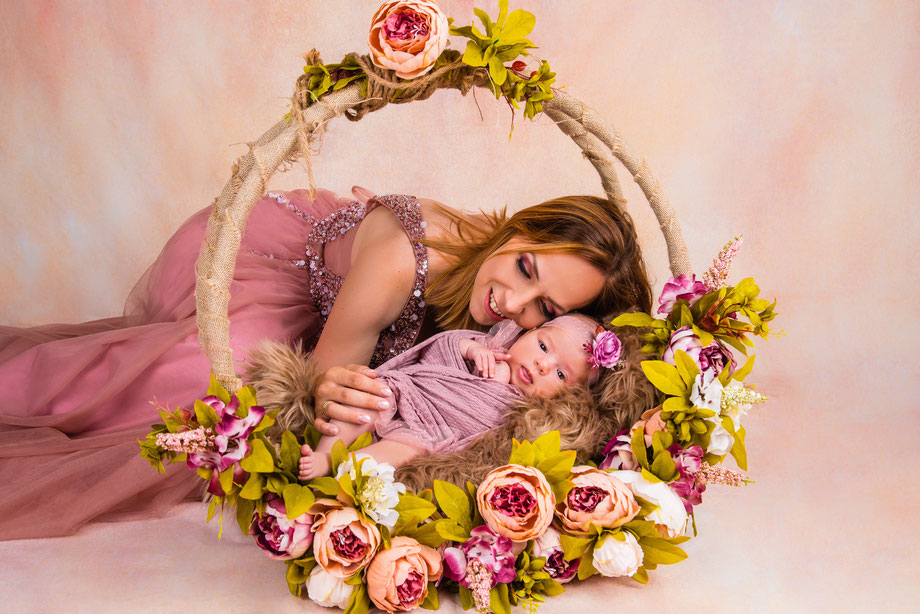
(347, 394)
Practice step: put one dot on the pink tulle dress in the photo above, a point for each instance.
(77, 397)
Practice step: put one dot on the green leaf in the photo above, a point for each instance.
(297, 500)
(266, 421)
(497, 70)
(557, 467)
(519, 24)
(640, 320)
(502, 13)
(522, 454)
(311, 436)
(473, 55)
(327, 485)
(211, 507)
(660, 551)
(745, 370)
(363, 440)
(638, 447)
(546, 445)
(358, 603)
(664, 377)
(451, 530)
(205, 414)
(641, 576)
(738, 451)
(290, 452)
(586, 568)
(484, 18)
(244, 510)
(259, 459)
(215, 389)
(414, 509)
(498, 599)
(663, 466)
(455, 504)
(338, 454)
(431, 600)
(574, 547)
(428, 534)
(225, 478)
(686, 367)
(466, 598)
(296, 574)
(247, 398)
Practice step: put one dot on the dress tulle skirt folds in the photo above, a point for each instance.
(77, 397)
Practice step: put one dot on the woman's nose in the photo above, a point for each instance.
(516, 301)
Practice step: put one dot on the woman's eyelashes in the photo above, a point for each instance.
(545, 308)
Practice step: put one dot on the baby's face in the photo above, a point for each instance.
(546, 360)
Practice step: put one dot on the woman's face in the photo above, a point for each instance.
(530, 287)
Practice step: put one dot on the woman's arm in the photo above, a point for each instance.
(372, 296)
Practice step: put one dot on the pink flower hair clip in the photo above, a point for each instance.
(605, 350)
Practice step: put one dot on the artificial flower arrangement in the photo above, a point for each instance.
(358, 538)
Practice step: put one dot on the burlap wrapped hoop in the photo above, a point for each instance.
(290, 139)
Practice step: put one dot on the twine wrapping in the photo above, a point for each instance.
(288, 141)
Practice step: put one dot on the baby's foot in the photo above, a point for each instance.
(312, 464)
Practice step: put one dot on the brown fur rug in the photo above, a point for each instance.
(284, 378)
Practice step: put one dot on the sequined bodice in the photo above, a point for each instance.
(325, 284)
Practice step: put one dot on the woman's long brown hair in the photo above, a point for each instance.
(590, 227)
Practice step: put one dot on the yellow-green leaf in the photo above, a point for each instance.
(473, 55)
(664, 377)
(686, 367)
(215, 389)
(326, 485)
(254, 487)
(548, 444)
(557, 467)
(259, 459)
(290, 452)
(633, 319)
(519, 24)
(297, 500)
(745, 370)
(454, 502)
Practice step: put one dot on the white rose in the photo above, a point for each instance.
(670, 518)
(707, 391)
(614, 558)
(720, 441)
(380, 493)
(328, 590)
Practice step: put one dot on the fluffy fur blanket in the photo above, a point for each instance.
(284, 378)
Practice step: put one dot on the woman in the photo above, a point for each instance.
(352, 280)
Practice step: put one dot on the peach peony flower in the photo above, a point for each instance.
(596, 498)
(516, 501)
(408, 36)
(397, 579)
(651, 421)
(343, 542)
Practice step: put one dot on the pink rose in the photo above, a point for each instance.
(397, 578)
(607, 349)
(714, 356)
(280, 537)
(516, 501)
(652, 423)
(681, 287)
(408, 36)
(596, 498)
(343, 542)
(549, 546)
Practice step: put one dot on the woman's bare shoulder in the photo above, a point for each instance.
(440, 220)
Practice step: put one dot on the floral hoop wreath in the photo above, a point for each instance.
(359, 539)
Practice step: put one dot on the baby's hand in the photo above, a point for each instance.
(484, 358)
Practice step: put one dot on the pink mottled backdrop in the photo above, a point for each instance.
(793, 123)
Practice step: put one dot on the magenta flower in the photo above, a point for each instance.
(606, 350)
(494, 551)
(280, 537)
(714, 356)
(681, 287)
(688, 461)
(231, 433)
(549, 546)
(618, 453)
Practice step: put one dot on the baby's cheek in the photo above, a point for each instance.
(502, 372)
